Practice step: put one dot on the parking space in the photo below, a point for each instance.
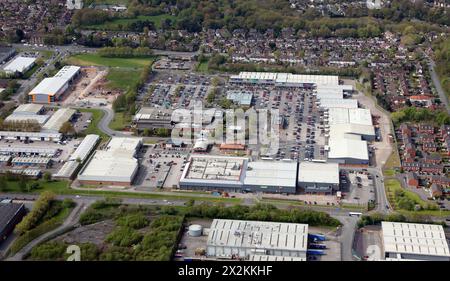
(160, 168)
(357, 187)
(368, 243)
(33, 153)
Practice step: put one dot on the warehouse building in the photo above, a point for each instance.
(43, 162)
(338, 102)
(78, 157)
(414, 242)
(243, 98)
(28, 113)
(34, 136)
(115, 165)
(244, 239)
(51, 89)
(284, 79)
(29, 109)
(27, 150)
(20, 65)
(10, 215)
(238, 174)
(58, 118)
(273, 177)
(318, 178)
(39, 119)
(153, 118)
(205, 172)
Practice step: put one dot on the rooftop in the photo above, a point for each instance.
(19, 64)
(58, 118)
(318, 172)
(266, 173)
(258, 234)
(411, 238)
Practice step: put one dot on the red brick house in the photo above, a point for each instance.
(429, 147)
(426, 129)
(432, 158)
(431, 168)
(411, 167)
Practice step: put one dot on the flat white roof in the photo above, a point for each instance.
(341, 148)
(105, 166)
(49, 86)
(342, 130)
(68, 72)
(339, 115)
(116, 163)
(19, 64)
(266, 173)
(28, 108)
(318, 172)
(258, 234)
(67, 170)
(84, 148)
(288, 78)
(417, 239)
(336, 102)
(17, 117)
(58, 118)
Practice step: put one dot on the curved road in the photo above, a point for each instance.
(70, 222)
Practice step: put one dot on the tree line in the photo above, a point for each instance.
(125, 52)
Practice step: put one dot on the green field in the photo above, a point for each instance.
(62, 187)
(202, 66)
(393, 191)
(96, 60)
(120, 24)
(123, 78)
(120, 121)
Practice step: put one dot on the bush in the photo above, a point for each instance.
(135, 221)
(48, 251)
(124, 237)
(41, 206)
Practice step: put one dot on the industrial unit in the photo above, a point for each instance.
(50, 89)
(28, 112)
(58, 119)
(244, 239)
(10, 215)
(78, 157)
(115, 165)
(319, 178)
(35, 136)
(239, 174)
(243, 98)
(411, 241)
(20, 65)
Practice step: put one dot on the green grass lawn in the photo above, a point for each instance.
(96, 60)
(120, 121)
(389, 173)
(393, 160)
(202, 66)
(62, 187)
(122, 78)
(393, 185)
(97, 115)
(121, 24)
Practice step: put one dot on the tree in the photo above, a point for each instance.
(3, 183)
(67, 128)
(23, 183)
(47, 176)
